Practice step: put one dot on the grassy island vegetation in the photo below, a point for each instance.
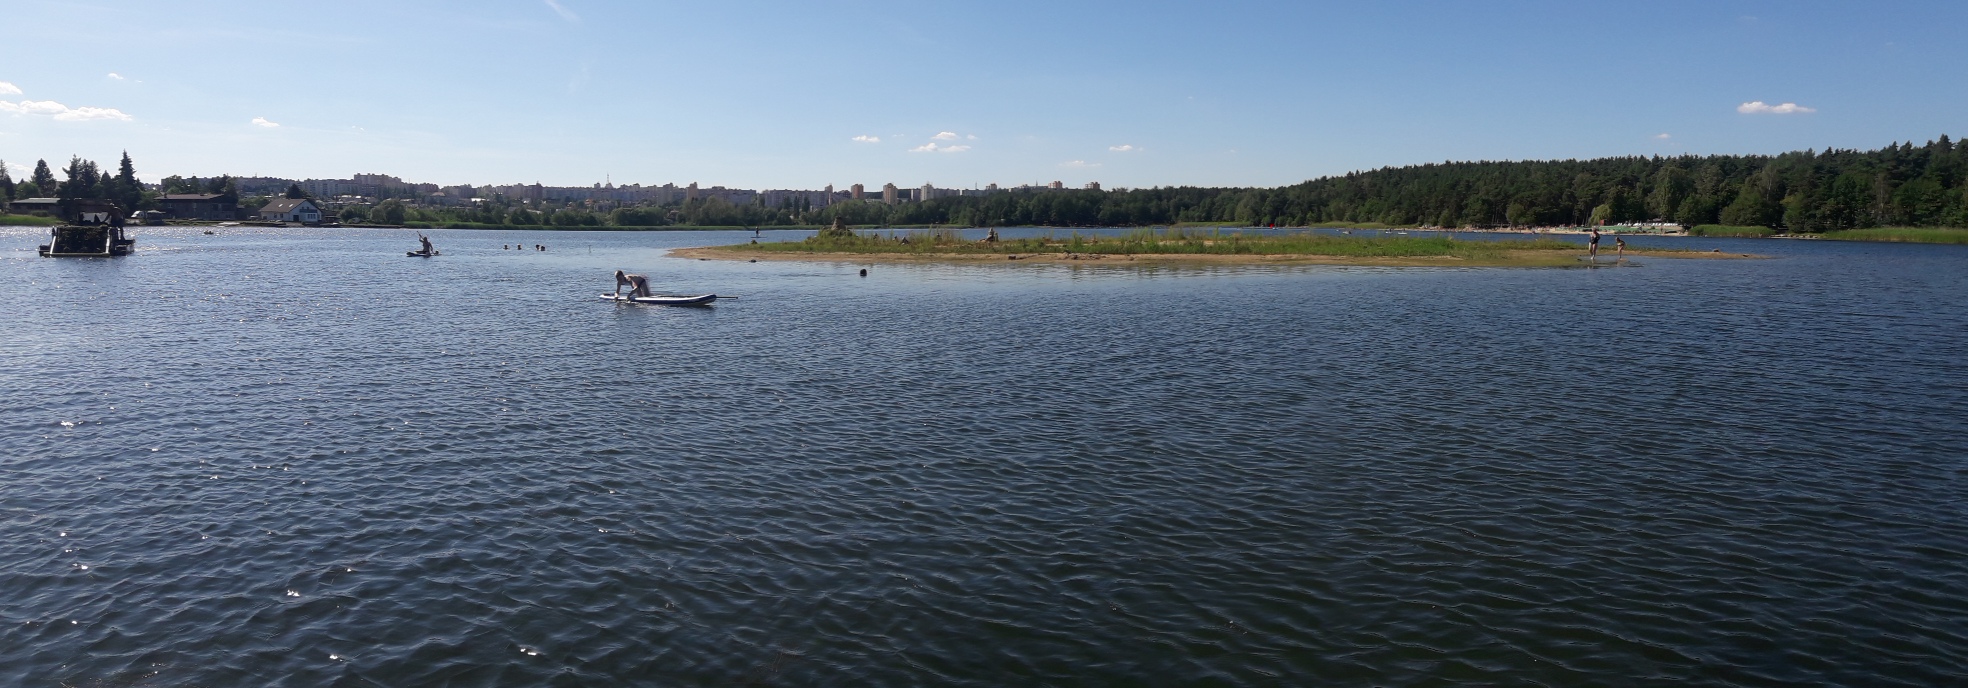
(1921, 235)
(1179, 244)
(26, 221)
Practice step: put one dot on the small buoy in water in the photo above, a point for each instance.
(864, 272)
(755, 260)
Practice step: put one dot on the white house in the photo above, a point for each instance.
(291, 210)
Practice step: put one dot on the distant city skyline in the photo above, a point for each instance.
(780, 95)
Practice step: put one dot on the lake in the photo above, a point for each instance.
(295, 457)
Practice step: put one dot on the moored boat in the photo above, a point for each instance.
(95, 230)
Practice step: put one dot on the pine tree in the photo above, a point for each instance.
(84, 180)
(129, 191)
(43, 179)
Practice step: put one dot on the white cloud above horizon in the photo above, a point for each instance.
(932, 147)
(7, 89)
(1757, 107)
(114, 75)
(1663, 136)
(864, 138)
(944, 136)
(264, 122)
(62, 112)
(564, 13)
(1123, 148)
(1079, 163)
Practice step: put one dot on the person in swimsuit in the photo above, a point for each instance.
(638, 284)
(1592, 245)
(1619, 249)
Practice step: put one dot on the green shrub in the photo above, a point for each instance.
(1731, 231)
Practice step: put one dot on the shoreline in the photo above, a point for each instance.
(1507, 259)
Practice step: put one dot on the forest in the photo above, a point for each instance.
(1809, 191)
(1901, 185)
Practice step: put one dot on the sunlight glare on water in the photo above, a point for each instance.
(296, 457)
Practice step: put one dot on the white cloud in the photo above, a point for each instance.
(864, 138)
(1663, 136)
(1123, 148)
(931, 147)
(1757, 107)
(88, 113)
(7, 89)
(60, 111)
(945, 136)
(264, 122)
(564, 13)
(114, 75)
(1079, 163)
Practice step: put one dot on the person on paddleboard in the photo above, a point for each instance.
(638, 284)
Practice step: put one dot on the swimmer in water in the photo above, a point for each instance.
(638, 284)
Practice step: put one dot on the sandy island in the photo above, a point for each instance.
(1511, 259)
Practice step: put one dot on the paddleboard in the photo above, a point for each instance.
(421, 254)
(700, 300)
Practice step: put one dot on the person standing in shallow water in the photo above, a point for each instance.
(1619, 249)
(1592, 245)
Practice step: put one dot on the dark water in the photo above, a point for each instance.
(298, 458)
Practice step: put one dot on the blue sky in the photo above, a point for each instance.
(775, 94)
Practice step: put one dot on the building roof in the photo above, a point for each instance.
(284, 205)
(38, 201)
(191, 197)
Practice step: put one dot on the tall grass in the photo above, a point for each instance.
(1170, 241)
(27, 221)
(1919, 235)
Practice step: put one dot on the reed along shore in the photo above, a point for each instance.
(1186, 245)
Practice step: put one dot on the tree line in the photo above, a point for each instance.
(1808, 191)
(1902, 184)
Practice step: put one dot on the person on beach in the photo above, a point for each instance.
(1592, 245)
(1619, 249)
(638, 284)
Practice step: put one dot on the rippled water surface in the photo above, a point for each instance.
(298, 458)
